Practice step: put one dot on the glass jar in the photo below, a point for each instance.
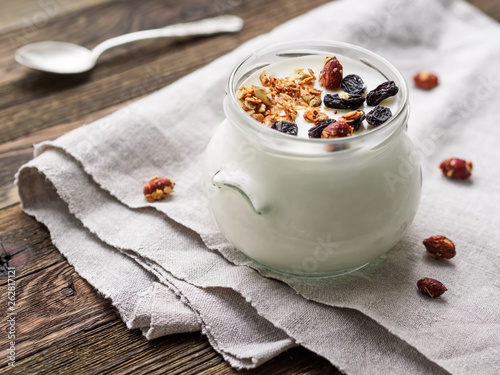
(312, 207)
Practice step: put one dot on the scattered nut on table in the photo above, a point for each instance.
(440, 247)
(432, 287)
(158, 188)
(456, 168)
(425, 80)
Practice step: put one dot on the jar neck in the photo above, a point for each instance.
(273, 141)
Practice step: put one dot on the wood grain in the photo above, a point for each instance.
(64, 325)
(36, 13)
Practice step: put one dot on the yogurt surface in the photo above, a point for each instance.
(371, 77)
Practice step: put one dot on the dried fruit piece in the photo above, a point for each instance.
(318, 129)
(353, 118)
(158, 188)
(315, 116)
(440, 247)
(331, 75)
(381, 92)
(338, 129)
(456, 168)
(432, 287)
(353, 84)
(285, 127)
(378, 115)
(425, 80)
(343, 100)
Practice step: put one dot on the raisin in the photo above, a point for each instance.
(378, 115)
(381, 92)
(353, 84)
(316, 131)
(343, 100)
(285, 127)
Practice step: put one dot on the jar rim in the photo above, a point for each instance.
(388, 127)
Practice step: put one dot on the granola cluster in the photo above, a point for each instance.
(280, 98)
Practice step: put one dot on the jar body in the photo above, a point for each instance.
(311, 216)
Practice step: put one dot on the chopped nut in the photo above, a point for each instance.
(456, 168)
(264, 79)
(158, 188)
(269, 120)
(253, 100)
(354, 118)
(242, 92)
(433, 288)
(314, 115)
(440, 247)
(258, 116)
(260, 93)
(311, 97)
(344, 95)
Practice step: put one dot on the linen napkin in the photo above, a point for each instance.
(167, 269)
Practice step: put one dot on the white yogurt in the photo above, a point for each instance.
(312, 214)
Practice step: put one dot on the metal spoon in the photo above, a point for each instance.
(69, 58)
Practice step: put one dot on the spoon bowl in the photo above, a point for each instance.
(55, 57)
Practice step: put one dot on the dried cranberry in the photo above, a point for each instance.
(285, 127)
(343, 100)
(315, 132)
(353, 84)
(381, 92)
(378, 115)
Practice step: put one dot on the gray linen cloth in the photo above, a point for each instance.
(167, 269)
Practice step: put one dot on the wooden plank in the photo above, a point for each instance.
(29, 14)
(37, 100)
(41, 101)
(16, 153)
(65, 326)
(490, 7)
(24, 244)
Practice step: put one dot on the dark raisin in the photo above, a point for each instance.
(285, 127)
(353, 84)
(343, 101)
(381, 92)
(378, 115)
(316, 131)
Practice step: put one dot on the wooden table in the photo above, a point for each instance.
(63, 325)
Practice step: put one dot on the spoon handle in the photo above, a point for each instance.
(202, 27)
